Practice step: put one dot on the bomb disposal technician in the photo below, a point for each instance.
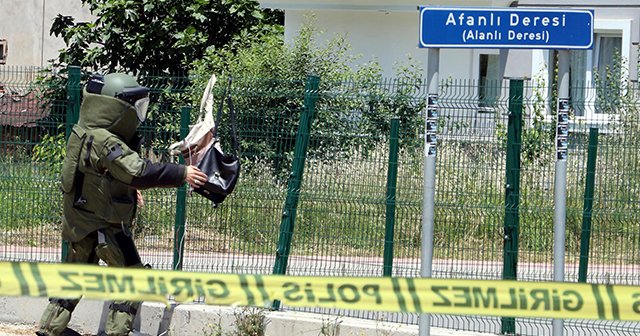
(101, 176)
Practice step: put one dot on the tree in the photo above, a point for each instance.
(157, 36)
(156, 40)
(354, 107)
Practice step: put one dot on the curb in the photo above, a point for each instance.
(194, 319)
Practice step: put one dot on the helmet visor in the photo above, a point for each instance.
(141, 106)
(132, 94)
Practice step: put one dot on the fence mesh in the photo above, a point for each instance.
(341, 214)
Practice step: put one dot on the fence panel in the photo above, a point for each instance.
(470, 190)
(29, 212)
(342, 208)
(241, 235)
(614, 256)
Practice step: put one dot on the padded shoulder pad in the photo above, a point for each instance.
(121, 161)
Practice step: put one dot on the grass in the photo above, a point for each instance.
(342, 205)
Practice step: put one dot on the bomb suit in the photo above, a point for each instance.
(100, 177)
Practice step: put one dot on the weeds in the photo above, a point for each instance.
(342, 206)
(330, 326)
(249, 321)
(215, 329)
(342, 203)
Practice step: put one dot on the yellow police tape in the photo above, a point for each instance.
(416, 295)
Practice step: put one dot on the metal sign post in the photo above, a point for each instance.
(560, 183)
(429, 182)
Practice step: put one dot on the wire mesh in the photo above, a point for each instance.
(614, 110)
(340, 223)
(241, 235)
(28, 202)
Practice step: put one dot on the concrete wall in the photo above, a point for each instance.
(25, 24)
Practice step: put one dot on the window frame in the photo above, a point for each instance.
(612, 28)
(545, 61)
(3, 51)
(475, 69)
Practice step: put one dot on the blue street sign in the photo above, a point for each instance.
(474, 27)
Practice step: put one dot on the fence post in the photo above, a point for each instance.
(73, 113)
(392, 180)
(512, 192)
(181, 199)
(287, 222)
(587, 210)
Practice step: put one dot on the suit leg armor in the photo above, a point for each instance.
(58, 313)
(120, 318)
(116, 248)
(56, 316)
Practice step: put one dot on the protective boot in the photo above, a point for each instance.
(56, 317)
(120, 318)
(116, 248)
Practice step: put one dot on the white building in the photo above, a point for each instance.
(384, 29)
(24, 29)
(389, 30)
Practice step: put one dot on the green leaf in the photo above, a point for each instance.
(149, 6)
(199, 17)
(257, 15)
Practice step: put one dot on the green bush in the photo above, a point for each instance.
(268, 90)
(50, 151)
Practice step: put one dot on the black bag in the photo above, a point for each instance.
(223, 170)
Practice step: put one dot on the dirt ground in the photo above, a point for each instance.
(7, 329)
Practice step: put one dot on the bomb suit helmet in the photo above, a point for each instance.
(124, 87)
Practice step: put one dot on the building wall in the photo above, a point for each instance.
(389, 35)
(25, 24)
(618, 17)
(375, 32)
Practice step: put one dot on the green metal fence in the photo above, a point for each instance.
(331, 183)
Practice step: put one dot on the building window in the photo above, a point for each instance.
(489, 81)
(612, 45)
(578, 81)
(595, 76)
(3, 51)
(607, 72)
